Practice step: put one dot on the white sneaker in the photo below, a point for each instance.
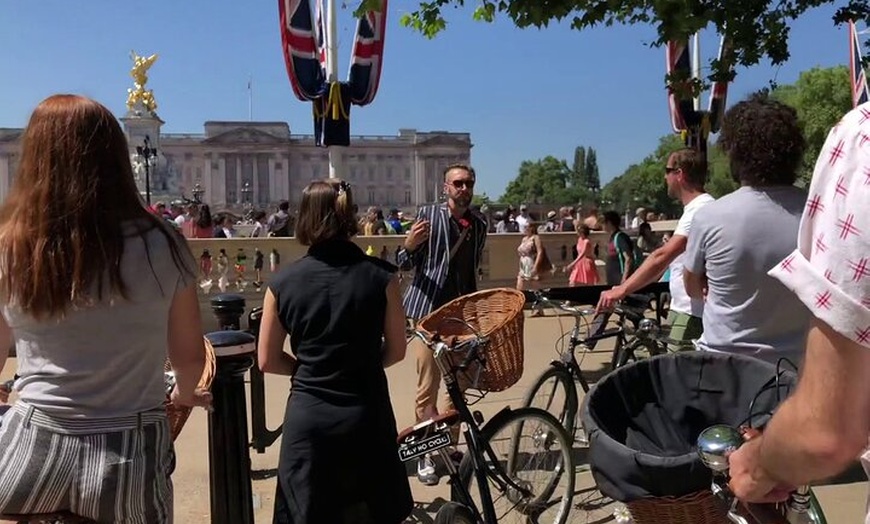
(426, 471)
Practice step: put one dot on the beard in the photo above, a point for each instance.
(463, 201)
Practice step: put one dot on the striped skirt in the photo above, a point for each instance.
(108, 470)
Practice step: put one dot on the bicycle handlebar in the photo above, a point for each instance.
(620, 308)
(714, 445)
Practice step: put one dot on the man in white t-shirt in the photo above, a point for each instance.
(685, 175)
(824, 426)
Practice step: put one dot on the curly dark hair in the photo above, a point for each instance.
(763, 141)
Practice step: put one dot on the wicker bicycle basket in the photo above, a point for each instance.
(496, 314)
(178, 415)
(701, 507)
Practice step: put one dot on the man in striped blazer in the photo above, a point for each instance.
(444, 247)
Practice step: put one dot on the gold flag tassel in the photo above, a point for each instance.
(334, 105)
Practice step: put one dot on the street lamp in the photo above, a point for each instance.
(197, 192)
(148, 155)
(246, 194)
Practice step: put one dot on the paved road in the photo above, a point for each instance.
(843, 503)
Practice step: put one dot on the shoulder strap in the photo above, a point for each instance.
(455, 247)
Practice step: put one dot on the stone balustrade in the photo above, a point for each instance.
(499, 266)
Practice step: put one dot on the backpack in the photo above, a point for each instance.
(636, 253)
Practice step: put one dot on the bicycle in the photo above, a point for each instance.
(504, 473)
(715, 443)
(802, 507)
(633, 332)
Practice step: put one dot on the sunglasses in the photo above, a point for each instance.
(459, 184)
(669, 169)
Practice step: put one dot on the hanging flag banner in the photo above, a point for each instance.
(716, 109)
(305, 41)
(368, 52)
(679, 94)
(857, 74)
(300, 49)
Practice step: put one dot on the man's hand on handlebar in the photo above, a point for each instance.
(610, 298)
(748, 480)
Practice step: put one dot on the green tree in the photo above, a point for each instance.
(481, 200)
(756, 29)
(720, 182)
(578, 171)
(643, 184)
(592, 178)
(821, 97)
(545, 181)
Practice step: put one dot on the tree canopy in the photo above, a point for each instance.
(544, 181)
(643, 184)
(756, 29)
(821, 97)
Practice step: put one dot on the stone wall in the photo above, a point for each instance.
(499, 267)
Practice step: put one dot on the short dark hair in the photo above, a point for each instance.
(326, 212)
(284, 205)
(693, 164)
(612, 218)
(465, 167)
(763, 141)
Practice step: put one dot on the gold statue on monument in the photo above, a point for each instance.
(138, 94)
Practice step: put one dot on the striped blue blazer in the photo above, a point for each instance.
(431, 261)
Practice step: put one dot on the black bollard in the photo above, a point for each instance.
(228, 310)
(228, 456)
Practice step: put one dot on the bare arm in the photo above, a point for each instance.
(656, 264)
(539, 252)
(5, 343)
(395, 343)
(186, 348)
(823, 426)
(270, 347)
(695, 283)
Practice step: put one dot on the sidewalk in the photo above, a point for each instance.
(843, 503)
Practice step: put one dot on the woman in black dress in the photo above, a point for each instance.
(343, 312)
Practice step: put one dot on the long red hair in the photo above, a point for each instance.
(61, 236)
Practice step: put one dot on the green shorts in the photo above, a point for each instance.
(684, 329)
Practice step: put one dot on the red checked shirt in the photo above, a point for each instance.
(830, 269)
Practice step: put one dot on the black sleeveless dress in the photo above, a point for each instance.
(339, 461)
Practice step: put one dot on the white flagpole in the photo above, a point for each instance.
(331, 36)
(696, 65)
(251, 98)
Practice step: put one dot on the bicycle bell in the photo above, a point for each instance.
(715, 443)
(168, 381)
(648, 327)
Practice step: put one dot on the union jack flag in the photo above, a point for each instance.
(681, 108)
(368, 53)
(320, 35)
(860, 93)
(301, 52)
(716, 108)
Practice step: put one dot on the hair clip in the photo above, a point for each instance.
(343, 187)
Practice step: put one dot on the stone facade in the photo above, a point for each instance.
(401, 171)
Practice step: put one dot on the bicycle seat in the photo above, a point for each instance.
(428, 427)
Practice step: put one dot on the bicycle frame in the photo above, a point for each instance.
(478, 448)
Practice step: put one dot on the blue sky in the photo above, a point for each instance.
(522, 94)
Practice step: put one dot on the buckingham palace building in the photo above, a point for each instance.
(234, 164)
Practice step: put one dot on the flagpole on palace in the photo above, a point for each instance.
(696, 65)
(335, 160)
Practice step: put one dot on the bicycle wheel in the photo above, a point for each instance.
(555, 392)
(454, 513)
(532, 450)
